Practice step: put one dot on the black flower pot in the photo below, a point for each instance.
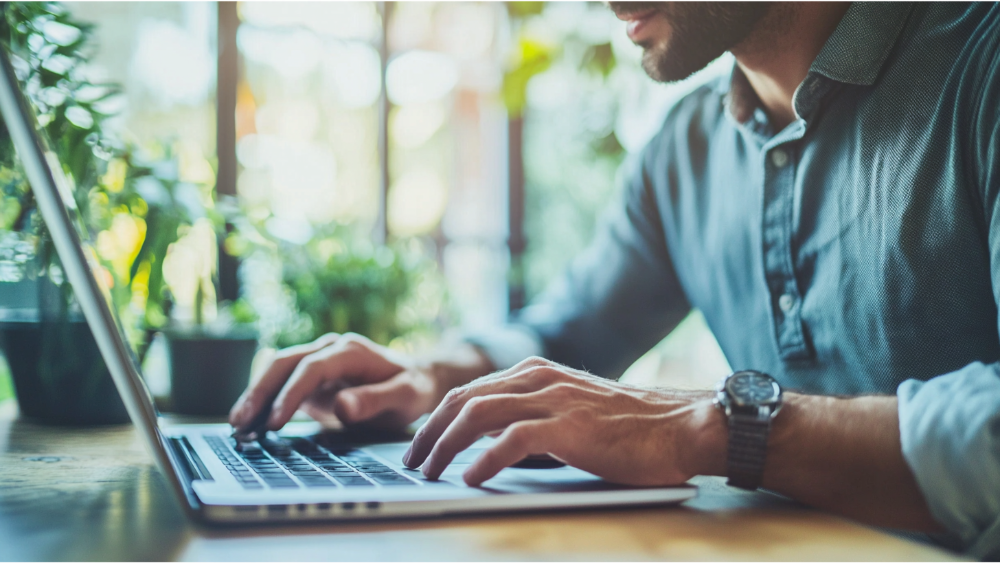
(59, 374)
(208, 372)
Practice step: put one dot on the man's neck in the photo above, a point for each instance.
(776, 57)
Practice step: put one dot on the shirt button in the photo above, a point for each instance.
(786, 302)
(779, 158)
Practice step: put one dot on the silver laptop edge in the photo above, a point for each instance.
(217, 498)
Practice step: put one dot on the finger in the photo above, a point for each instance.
(520, 440)
(357, 404)
(480, 416)
(332, 366)
(532, 378)
(263, 391)
(322, 414)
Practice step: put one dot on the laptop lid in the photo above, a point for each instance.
(76, 251)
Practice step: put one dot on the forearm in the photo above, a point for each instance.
(840, 455)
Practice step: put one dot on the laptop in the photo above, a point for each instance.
(288, 476)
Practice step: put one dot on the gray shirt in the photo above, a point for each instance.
(857, 250)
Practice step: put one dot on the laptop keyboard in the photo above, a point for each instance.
(298, 462)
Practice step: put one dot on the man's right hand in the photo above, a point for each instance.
(355, 380)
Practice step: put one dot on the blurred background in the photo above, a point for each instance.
(478, 142)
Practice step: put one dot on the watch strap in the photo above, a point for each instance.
(748, 447)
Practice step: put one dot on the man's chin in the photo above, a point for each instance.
(697, 34)
(662, 67)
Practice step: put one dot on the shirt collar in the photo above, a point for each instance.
(854, 54)
(858, 48)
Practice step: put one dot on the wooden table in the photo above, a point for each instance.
(93, 493)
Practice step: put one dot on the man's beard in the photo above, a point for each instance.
(700, 32)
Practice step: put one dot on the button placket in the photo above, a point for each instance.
(779, 185)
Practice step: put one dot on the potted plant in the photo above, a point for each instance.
(339, 281)
(210, 348)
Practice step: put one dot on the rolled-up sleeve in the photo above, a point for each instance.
(616, 300)
(950, 432)
(950, 425)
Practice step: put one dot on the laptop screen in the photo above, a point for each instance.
(79, 260)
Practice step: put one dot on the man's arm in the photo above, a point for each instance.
(619, 297)
(842, 455)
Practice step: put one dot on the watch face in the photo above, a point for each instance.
(753, 388)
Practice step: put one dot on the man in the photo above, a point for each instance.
(832, 208)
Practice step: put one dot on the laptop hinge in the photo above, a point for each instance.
(192, 465)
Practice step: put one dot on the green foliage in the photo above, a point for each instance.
(133, 205)
(243, 312)
(47, 48)
(345, 284)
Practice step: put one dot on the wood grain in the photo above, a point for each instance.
(93, 494)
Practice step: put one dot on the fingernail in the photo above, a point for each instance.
(406, 456)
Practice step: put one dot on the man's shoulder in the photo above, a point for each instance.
(956, 48)
(970, 32)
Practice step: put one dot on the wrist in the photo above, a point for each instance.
(710, 433)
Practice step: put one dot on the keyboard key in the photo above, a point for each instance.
(354, 481)
(319, 484)
(370, 469)
(275, 447)
(320, 479)
(283, 485)
(352, 461)
(391, 479)
(304, 446)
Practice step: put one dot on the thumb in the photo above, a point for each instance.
(357, 404)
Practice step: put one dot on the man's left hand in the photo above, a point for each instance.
(621, 433)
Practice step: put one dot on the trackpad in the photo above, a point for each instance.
(534, 461)
(555, 477)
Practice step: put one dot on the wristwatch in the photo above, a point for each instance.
(750, 400)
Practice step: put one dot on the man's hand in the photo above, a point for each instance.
(622, 433)
(355, 380)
